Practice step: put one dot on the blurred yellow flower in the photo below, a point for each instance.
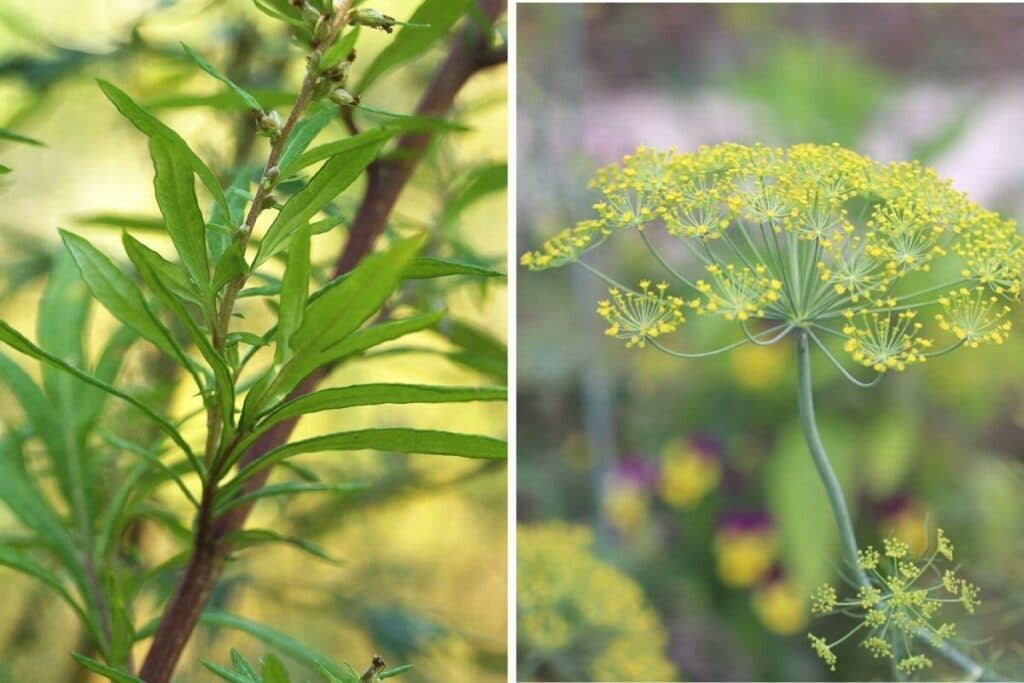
(744, 549)
(906, 520)
(625, 506)
(780, 606)
(758, 367)
(569, 602)
(688, 473)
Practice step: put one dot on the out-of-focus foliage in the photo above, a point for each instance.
(97, 512)
(730, 558)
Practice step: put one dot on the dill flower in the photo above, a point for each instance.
(901, 603)
(568, 600)
(887, 263)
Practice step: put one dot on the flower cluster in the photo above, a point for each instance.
(888, 257)
(569, 602)
(901, 603)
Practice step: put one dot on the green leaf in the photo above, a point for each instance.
(242, 666)
(17, 341)
(176, 195)
(290, 488)
(334, 176)
(478, 349)
(400, 440)
(357, 342)
(274, 671)
(412, 41)
(477, 184)
(147, 261)
(25, 564)
(228, 674)
(116, 675)
(338, 147)
(227, 101)
(294, 293)
(118, 293)
(302, 134)
(229, 267)
(341, 49)
(396, 671)
(282, 642)
(378, 394)
(153, 127)
(6, 134)
(426, 267)
(4, 169)
(247, 538)
(120, 220)
(242, 94)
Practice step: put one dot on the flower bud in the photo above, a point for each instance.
(270, 177)
(372, 18)
(269, 123)
(344, 97)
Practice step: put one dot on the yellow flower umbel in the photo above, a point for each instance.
(880, 259)
(568, 600)
(640, 316)
(901, 604)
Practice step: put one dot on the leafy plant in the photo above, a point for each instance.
(106, 446)
(820, 245)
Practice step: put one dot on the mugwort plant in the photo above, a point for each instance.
(880, 267)
(80, 478)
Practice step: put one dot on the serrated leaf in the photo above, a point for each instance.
(109, 672)
(334, 176)
(412, 41)
(175, 192)
(426, 267)
(378, 394)
(239, 91)
(17, 341)
(152, 127)
(398, 440)
(281, 642)
(118, 293)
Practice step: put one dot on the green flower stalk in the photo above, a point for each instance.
(885, 265)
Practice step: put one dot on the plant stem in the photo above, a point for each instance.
(847, 539)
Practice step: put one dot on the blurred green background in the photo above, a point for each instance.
(657, 456)
(423, 579)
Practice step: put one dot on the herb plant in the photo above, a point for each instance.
(106, 448)
(880, 267)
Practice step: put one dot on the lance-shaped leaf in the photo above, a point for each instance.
(397, 440)
(338, 147)
(302, 134)
(147, 262)
(239, 91)
(17, 341)
(151, 127)
(290, 488)
(378, 394)
(118, 293)
(294, 293)
(427, 267)
(432, 19)
(281, 642)
(335, 175)
(111, 673)
(6, 134)
(176, 195)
